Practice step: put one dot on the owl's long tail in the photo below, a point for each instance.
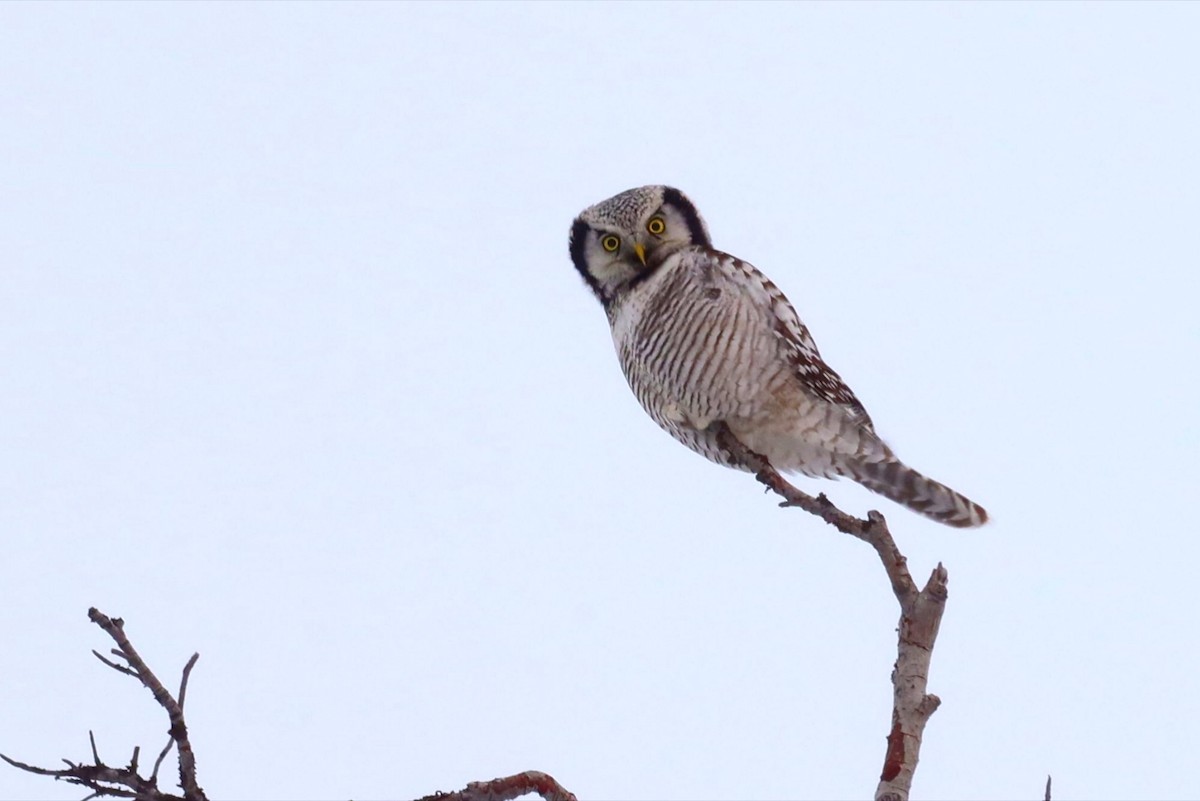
(895, 480)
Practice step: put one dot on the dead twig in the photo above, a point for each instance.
(115, 627)
(920, 618)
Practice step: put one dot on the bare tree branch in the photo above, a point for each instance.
(102, 780)
(510, 787)
(105, 781)
(179, 735)
(920, 617)
(108, 782)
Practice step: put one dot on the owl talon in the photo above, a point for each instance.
(672, 412)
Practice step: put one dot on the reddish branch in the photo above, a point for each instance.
(920, 616)
(127, 782)
(531, 781)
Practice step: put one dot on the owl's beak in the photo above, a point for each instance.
(640, 250)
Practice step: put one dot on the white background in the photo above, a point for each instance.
(297, 374)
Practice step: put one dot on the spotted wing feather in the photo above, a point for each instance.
(798, 345)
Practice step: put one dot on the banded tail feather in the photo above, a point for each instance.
(898, 482)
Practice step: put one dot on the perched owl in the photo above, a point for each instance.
(705, 337)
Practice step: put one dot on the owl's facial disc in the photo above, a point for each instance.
(620, 240)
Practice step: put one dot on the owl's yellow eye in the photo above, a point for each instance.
(656, 226)
(610, 243)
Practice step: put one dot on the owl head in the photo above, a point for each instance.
(622, 240)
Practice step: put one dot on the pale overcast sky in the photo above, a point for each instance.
(298, 375)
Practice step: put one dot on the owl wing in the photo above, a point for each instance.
(797, 344)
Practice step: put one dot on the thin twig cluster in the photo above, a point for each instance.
(127, 782)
